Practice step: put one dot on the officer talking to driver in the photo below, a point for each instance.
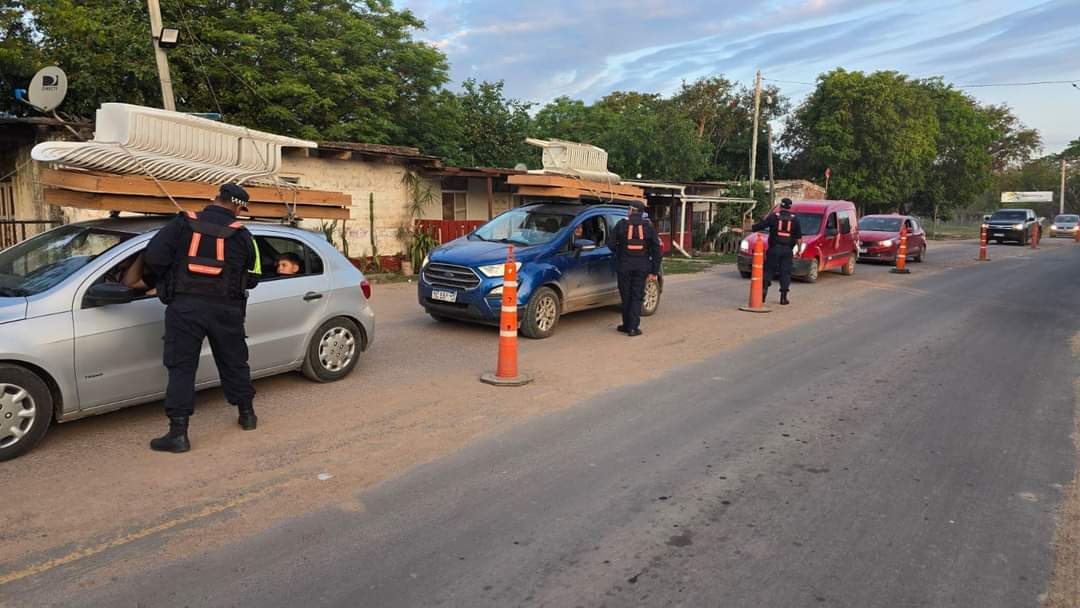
(203, 264)
(784, 234)
(637, 260)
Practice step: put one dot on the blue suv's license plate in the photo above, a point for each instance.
(443, 295)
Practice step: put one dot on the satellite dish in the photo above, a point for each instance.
(521, 167)
(47, 89)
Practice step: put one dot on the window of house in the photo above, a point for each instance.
(285, 258)
(455, 205)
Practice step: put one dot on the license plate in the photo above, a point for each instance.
(998, 234)
(862, 249)
(443, 295)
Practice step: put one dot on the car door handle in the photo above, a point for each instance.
(311, 295)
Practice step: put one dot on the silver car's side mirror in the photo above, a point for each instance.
(103, 294)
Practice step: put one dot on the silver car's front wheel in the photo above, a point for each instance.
(25, 410)
(334, 350)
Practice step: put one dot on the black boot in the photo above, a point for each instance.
(248, 420)
(783, 298)
(621, 329)
(176, 440)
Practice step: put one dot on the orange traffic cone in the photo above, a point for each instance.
(757, 279)
(1035, 234)
(901, 253)
(506, 372)
(982, 246)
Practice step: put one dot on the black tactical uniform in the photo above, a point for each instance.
(637, 256)
(784, 234)
(202, 265)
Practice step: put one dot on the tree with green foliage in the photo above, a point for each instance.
(1013, 143)
(962, 168)
(877, 133)
(494, 127)
(572, 120)
(321, 69)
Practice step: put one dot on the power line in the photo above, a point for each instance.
(789, 81)
(1015, 84)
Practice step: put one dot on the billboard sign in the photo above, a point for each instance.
(1027, 197)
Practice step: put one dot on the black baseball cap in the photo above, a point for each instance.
(233, 193)
(785, 203)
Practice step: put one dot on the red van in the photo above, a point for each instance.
(830, 240)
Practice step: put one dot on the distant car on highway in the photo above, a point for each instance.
(1065, 225)
(75, 341)
(558, 271)
(879, 238)
(1017, 225)
(830, 240)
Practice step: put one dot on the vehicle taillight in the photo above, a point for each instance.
(365, 286)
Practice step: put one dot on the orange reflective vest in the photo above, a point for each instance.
(635, 246)
(201, 263)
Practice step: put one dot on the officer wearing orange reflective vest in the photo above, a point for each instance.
(637, 260)
(202, 265)
(784, 234)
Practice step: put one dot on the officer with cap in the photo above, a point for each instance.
(784, 234)
(202, 265)
(637, 259)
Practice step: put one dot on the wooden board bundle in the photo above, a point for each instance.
(109, 192)
(568, 187)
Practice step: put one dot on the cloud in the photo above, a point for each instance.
(587, 49)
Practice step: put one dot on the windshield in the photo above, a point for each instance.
(40, 263)
(809, 223)
(1067, 219)
(884, 224)
(1009, 216)
(523, 227)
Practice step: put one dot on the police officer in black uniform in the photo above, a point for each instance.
(784, 234)
(203, 264)
(637, 259)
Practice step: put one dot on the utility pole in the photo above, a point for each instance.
(1062, 212)
(772, 184)
(753, 144)
(167, 100)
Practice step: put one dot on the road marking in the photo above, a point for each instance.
(74, 556)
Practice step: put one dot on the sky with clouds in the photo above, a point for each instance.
(587, 48)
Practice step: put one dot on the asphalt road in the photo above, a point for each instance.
(908, 450)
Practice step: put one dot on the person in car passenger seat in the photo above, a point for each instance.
(288, 264)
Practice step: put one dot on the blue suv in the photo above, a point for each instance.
(565, 264)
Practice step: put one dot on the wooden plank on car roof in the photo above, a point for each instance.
(137, 185)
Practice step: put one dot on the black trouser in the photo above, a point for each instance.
(632, 292)
(187, 322)
(779, 259)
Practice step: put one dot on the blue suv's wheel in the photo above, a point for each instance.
(541, 314)
(652, 298)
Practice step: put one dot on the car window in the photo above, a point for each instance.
(831, 223)
(613, 220)
(285, 258)
(914, 226)
(44, 261)
(809, 223)
(130, 271)
(845, 222)
(594, 229)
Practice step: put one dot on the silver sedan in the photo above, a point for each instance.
(78, 338)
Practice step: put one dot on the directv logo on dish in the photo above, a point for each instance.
(50, 82)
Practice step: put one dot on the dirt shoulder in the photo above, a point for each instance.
(1064, 589)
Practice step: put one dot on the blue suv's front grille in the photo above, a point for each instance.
(450, 275)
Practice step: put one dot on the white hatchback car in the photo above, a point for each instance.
(74, 341)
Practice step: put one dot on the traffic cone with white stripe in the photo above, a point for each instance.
(757, 279)
(901, 253)
(506, 373)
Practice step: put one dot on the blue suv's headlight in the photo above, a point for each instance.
(496, 270)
